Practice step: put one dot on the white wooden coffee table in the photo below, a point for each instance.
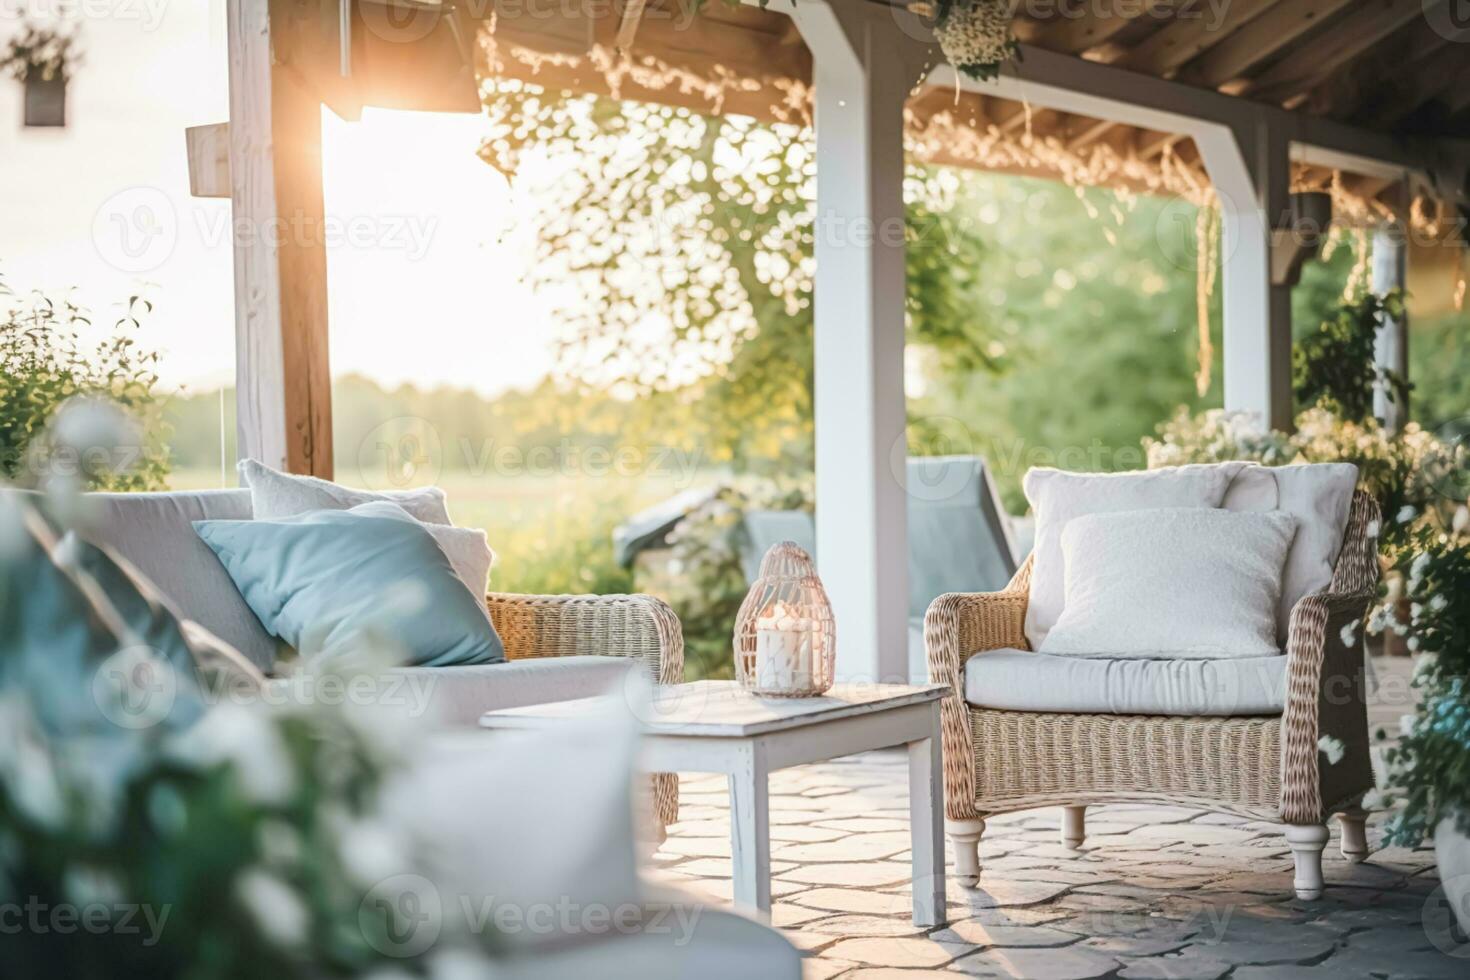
(714, 726)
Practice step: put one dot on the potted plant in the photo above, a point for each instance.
(1428, 770)
(41, 59)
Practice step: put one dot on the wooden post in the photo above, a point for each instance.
(283, 383)
(862, 75)
(1250, 168)
(1391, 346)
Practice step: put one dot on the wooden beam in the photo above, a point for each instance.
(1094, 24)
(1191, 34)
(1344, 40)
(628, 26)
(209, 160)
(1236, 55)
(1428, 79)
(1089, 131)
(283, 381)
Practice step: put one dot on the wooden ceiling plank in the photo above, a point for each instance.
(1237, 54)
(1094, 24)
(1432, 77)
(1345, 39)
(1190, 34)
(628, 25)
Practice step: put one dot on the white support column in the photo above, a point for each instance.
(863, 71)
(1251, 170)
(1391, 347)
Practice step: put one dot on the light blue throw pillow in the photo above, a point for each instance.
(335, 582)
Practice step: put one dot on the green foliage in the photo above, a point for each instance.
(1334, 367)
(1437, 363)
(1092, 326)
(39, 52)
(45, 363)
(1400, 470)
(683, 247)
(1429, 769)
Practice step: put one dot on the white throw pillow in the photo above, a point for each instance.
(1186, 583)
(1057, 497)
(274, 494)
(1319, 496)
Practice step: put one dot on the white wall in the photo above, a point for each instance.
(150, 68)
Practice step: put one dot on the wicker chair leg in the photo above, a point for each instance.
(964, 836)
(1074, 826)
(1307, 842)
(1352, 822)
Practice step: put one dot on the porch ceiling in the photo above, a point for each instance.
(1325, 58)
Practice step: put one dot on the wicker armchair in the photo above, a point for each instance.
(639, 627)
(1266, 767)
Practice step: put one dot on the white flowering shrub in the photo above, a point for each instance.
(1428, 771)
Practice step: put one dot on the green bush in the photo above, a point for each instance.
(1429, 769)
(45, 363)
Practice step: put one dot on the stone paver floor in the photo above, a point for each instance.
(1156, 891)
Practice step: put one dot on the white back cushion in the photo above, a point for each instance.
(1190, 583)
(1319, 496)
(1057, 497)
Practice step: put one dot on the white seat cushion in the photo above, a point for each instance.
(1017, 680)
(458, 696)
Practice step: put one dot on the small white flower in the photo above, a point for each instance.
(1406, 514)
(370, 851)
(248, 739)
(1349, 634)
(276, 908)
(1332, 748)
(1407, 724)
(1438, 603)
(1413, 644)
(1416, 613)
(1373, 529)
(1461, 519)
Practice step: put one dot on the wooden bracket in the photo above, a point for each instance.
(209, 160)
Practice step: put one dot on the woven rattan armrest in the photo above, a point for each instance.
(956, 627)
(636, 626)
(1325, 690)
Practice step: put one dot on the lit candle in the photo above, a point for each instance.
(783, 651)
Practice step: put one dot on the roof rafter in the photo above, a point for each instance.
(1236, 55)
(1345, 39)
(1192, 32)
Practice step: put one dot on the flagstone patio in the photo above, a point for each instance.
(1156, 892)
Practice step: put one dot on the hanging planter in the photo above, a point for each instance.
(41, 59)
(975, 35)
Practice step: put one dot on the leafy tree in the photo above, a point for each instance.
(45, 362)
(687, 244)
(1334, 367)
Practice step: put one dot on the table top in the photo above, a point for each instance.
(724, 709)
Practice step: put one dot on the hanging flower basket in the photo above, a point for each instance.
(975, 35)
(785, 636)
(41, 60)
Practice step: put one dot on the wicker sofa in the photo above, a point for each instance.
(558, 648)
(1261, 766)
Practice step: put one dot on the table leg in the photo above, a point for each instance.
(926, 822)
(750, 833)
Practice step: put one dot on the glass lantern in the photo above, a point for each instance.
(785, 636)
